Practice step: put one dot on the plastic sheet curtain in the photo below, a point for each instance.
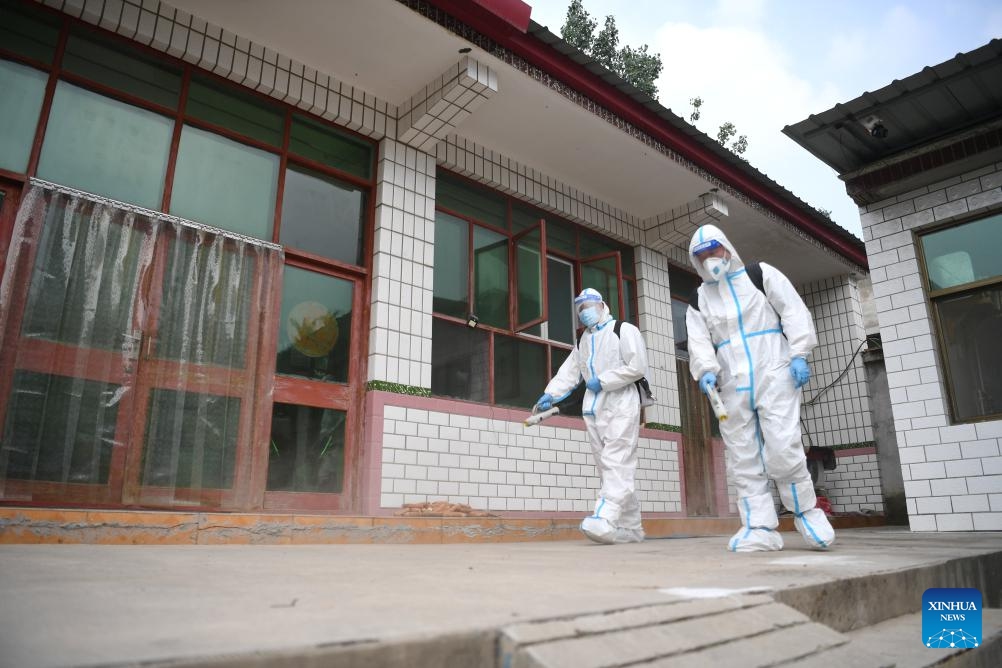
(137, 356)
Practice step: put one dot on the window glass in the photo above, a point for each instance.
(460, 365)
(490, 277)
(970, 328)
(235, 110)
(561, 237)
(105, 147)
(206, 301)
(23, 89)
(522, 218)
(314, 331)
(84, 282)
(223, 183)
(306, 451)
(519, 371)
(322, 216)
(964, 254)
(28, 32)
(560, 292)
(628, 265)
(557, 358)
(125, 70)
(591, 246)
(452, 265)
(324, 144)
(478, 203)
(191, 440)
(682, 283)
(529, 277)
(59, 429)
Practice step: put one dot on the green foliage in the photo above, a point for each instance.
(696, 103)
(397, 388)
(725, 133)
(579, 28)
(637, 66)
(660, 426)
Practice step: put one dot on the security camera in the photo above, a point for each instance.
(875, 126)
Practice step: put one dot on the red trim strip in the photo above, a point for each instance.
(576, 76)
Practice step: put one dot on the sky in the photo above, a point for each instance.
(765, 64)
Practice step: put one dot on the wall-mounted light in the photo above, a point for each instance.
(875, 126)
(472, 320)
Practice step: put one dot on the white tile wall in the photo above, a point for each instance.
(949, 470)
(403, 255)
(854, 484)
(501, 466)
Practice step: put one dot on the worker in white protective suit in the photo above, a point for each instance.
(754, 345)
(609, 365)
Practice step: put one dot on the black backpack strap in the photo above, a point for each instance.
(754, 271)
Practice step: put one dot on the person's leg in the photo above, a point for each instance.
(744, 459)
(779, 414)
(616, 518)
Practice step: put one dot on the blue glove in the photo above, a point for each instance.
(545, 402)
(800, 371)
(594, 384)
(708, 380)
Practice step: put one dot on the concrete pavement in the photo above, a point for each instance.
(455, 604)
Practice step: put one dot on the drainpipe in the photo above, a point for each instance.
(888, 461)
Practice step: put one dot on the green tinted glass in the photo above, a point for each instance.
(964, 254)
(591, 246)
(235, 110)
(125, 70)
(452, 265)
(490, 277)
(191, 440)
(322, 143)
(522, 218)
(970, 326)
(322, 216)
(560, 292)
(629, 290)
(557, 357)
(681, 283)
(561, 237)
(519, 371)
(20, 103)
(221, 182)
(306, 452)
(59, 429)
(314, 331)
(459, 361)
(478, 203)
(105, 147)
(27, 31)
(529, 268)
(601, 275)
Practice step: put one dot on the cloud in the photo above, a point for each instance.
(744, 77)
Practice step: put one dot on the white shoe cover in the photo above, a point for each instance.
(599, 530)
(814, 526)
(755, 540)
(628, 536)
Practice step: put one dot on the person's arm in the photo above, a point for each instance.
(634, 355)
(796, 319)
(567, 378)
(702, 356)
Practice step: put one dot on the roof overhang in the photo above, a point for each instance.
(906, 134)
(660, 163)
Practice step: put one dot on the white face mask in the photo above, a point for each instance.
(716, 266)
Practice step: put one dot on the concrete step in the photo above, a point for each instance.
(898, 642)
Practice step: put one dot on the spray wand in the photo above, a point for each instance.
(715, 402)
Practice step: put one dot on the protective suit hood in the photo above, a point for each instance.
(712, 233)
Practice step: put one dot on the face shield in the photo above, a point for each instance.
(714, 257)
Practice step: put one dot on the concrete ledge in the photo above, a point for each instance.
(127, 527)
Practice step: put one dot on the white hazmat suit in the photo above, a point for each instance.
(748, 339)
(612, 417)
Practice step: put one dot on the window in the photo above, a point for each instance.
(177, 378)
(516, 269)
(963, 272)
